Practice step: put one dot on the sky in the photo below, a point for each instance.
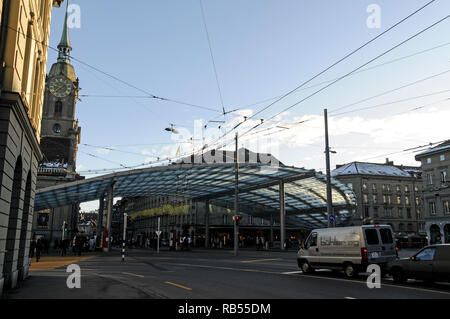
(261, 49)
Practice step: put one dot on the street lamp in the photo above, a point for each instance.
(171, 129)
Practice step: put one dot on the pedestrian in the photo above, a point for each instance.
(32, 247)
(79, 244)
(64, 244)
(39, 247)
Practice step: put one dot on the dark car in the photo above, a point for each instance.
(431, 263)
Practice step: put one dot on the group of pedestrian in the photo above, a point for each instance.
(185, 242)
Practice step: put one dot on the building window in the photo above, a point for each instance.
(399, 200)
(366, 211)
(389, 199)
(375, 212)
(400, 212)
(389, 213)
(432, 208)
(383, 187)
(408, 213)
(417, 200)
(374, 197)
(442, 157)
(406, 188)
(364, 186)
(374, 187)
(57, 128)
(443, 176)
(58, 109)
(430, 178)
(406, 200)
(365, 199)
(446, 207)
(388, 187)
(398, 188)
(384, 199)
(429, 160)
(416, 188)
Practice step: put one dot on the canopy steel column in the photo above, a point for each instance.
(282, 216)
(110, 201)
(271, 229)
(100, 217)
(207, 223)
(236, 198)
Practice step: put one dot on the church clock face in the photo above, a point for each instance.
(60, 86)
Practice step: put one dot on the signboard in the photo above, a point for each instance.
(43, 218)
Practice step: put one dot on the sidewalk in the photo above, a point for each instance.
(54, 262)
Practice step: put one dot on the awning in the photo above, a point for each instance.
(259, 190)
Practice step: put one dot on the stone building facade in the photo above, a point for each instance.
(386, 194)
(24, 35)
(436, 192)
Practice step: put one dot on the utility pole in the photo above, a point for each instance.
(125, 220)
(236, 194)
(330, 216)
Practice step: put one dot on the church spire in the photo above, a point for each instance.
(64, 46)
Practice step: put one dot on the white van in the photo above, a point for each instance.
(350, 249)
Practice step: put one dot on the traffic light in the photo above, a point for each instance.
(66, 227)
(237, 219)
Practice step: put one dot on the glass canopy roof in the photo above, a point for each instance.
(305, 190)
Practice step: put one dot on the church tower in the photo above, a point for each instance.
(60, 136)
(60, 133)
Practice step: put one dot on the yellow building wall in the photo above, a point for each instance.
(26, 54)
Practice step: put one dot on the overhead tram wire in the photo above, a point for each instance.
(414, 150)
(147, 94)
(335, 109)
(333, 65)
(394, 102)
(355, 70)
(360, 71)
(212, 55)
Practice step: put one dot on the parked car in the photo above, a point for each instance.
(431, 263)
(350, 249)
(411, 241)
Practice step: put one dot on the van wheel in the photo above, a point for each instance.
(399, 276)
(306, 267)
(350, 270)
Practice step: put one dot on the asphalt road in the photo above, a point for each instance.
(211, 274)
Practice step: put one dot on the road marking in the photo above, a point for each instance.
(135, 275)
(260, 260)
(226, 268)
(382, 284)
(177, 285)
(291, 272)
(349, 298)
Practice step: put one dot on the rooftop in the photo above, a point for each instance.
(305, 190)
(361, 168)
(437, 149)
